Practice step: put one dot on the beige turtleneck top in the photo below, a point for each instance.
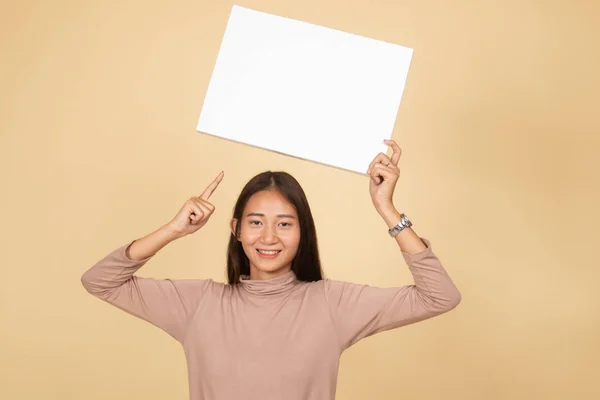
(272, 339)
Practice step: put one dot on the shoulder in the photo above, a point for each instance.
(328, 287)
(216, 286)
(202, 286)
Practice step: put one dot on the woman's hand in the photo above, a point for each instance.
(195, 212)
(384, 173)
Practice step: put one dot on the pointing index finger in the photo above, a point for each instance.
(211, 188)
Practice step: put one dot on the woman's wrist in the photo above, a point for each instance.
(390, 215)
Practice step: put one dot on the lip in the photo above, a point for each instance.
(267, 255)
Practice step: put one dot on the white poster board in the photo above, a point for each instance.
(304, 90)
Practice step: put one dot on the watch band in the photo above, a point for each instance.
(403, 223)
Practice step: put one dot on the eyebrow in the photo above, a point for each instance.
(253, 214)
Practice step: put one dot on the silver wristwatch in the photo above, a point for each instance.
(404, 223)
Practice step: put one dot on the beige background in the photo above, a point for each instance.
(98, 107)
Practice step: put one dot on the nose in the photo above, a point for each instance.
(269, 234)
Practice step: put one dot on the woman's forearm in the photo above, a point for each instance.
(150, 244)
(407, 239)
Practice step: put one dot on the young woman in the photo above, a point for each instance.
(278, 328)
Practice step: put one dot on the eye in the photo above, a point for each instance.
(285, 224)
(254, 222)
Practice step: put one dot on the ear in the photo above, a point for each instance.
(232, 225)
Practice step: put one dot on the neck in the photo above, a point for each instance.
(258, 275)
(279, 285)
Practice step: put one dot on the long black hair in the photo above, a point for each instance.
(306, 265)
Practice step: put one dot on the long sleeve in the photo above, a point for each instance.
(165, 303)
(359, 311)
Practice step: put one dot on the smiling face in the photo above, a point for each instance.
(269, 233)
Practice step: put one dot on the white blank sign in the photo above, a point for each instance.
(304, 90)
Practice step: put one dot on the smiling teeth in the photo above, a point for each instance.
(268, 251)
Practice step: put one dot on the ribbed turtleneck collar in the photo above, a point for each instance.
(272, 286)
